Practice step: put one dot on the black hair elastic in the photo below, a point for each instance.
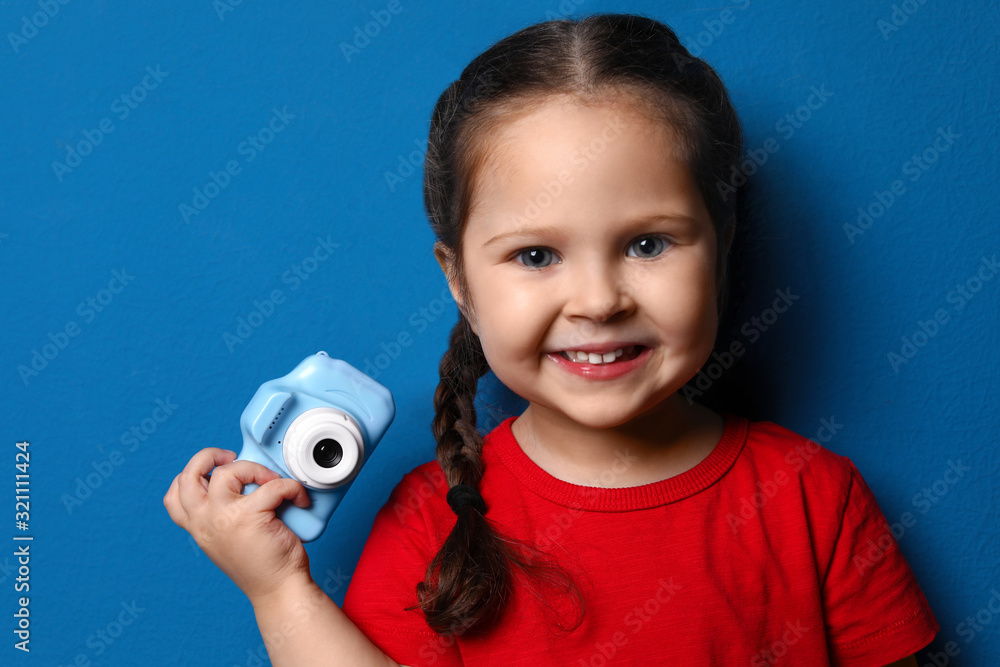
(461, 495)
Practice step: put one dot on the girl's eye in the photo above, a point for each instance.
(648, 246)
(536, 258)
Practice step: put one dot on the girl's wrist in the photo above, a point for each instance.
(293, 588)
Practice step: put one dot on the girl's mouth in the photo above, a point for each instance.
(620, 362)
(626, 353)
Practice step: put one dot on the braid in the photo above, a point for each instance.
(472, 584)
(469, 582)
(460, 446)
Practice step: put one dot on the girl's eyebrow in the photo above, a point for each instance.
(685, 220)
(527, 231)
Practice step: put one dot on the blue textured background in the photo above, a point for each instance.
(887, 90)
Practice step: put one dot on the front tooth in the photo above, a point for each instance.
(594, 358)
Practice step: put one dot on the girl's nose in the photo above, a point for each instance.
(598, 292)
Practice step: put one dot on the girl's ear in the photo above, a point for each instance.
(445, 259)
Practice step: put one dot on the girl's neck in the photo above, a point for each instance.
(656, 445)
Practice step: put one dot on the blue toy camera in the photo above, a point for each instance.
(318, 425)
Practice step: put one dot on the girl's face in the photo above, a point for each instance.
(588, 241)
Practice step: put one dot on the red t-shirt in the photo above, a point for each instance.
(771, 551)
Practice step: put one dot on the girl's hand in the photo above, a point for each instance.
(240, 534)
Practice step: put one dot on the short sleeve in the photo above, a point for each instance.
(393, 561)
(875, 611)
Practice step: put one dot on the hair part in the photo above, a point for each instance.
(598, 59)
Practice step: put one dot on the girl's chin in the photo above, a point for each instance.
(597, 413)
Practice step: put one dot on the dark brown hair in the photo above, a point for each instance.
(469, 581)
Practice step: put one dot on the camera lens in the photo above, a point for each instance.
(323, 448)
(327, 453)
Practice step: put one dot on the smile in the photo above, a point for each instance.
(606, 366)
(624, 353)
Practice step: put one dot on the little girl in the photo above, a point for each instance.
(576, 181)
